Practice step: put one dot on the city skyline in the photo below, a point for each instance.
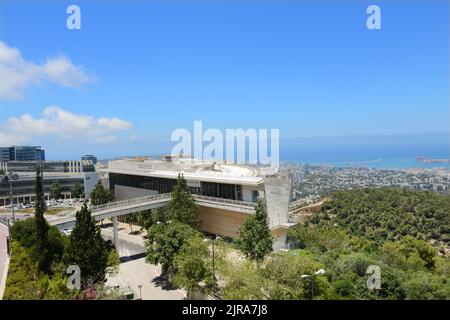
(122, 87)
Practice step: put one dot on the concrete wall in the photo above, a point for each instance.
(280, 235)
(277, 194)
(226, 223)
(124, 193)
(90, 180)
(247, 194)
(221, 222)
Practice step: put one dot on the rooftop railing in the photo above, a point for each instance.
(149, 199)
(164, 196)
(130, 202)
(226, 201)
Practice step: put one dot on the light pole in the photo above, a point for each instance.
(213, 262)
(9, 238)
(8, 179)
(313, 278)
(140, 291)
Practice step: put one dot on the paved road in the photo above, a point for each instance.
(134, 271)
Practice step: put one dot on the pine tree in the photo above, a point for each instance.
(254, 238)
(87, 249)
(55, 192)
(77, 190)
(182, 207)
(101, 195)
(42, 227)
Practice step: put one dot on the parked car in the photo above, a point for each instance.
(67, 231)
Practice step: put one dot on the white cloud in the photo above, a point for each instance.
(63, 124)
(12, 139)
(16, 73)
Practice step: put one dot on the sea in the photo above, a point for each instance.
(380, 153)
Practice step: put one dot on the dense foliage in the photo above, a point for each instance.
(254, 238)
(182, 206)
(389, 214)
(55, 191)
(101, 195)
(87, 249)
(143, 219)
(77, 190)
(40, 256)
(386, 228)
(345, 240)
(165, 241)
(193, 265)
(26, 282)
(282, 277)
(25, 233)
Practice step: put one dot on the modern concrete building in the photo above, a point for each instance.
(22, 153)
(90, 157)
(66, 173)
(232, 186)
(67, 166)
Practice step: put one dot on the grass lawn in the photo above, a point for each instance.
(53, 211)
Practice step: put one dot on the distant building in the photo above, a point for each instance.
(66, 173)
(90, 157)
(67, 166)
(22, 153)
(228, 189)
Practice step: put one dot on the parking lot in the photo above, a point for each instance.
(55, 209)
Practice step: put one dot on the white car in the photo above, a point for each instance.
(67, 232)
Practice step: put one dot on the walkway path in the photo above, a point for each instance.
(134, 271)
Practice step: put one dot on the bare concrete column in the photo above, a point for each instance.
(115, 234)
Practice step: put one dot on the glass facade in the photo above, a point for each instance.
(163, 185)
(26, 187)
(221, 190)
(51, 166)
(22, 153)
(150, 183)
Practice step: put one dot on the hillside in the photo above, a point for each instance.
(389, 214)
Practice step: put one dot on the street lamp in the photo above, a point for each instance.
(140, 291)
(213, 261)
(9, 178)
(313, 278)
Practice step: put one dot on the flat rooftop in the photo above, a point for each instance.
(191, 169)
(50, 175)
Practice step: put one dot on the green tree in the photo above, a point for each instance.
(193, 266)
(182, 206)
(55, 192)
(165, 241)
(159, 215)
(426, 286)
(26, 282)
(101, 195)
(243, 282)
(254, 238)
(409, 253)
(25, 232)
(284, 275)
(41, 249)
(77, 190)
(87, 249)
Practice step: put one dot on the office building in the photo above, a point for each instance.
(22, 153)
(66, 173)
(90, 157)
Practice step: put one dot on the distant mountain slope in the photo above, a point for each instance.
(389, 214)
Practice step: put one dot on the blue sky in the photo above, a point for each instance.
(141, 69)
